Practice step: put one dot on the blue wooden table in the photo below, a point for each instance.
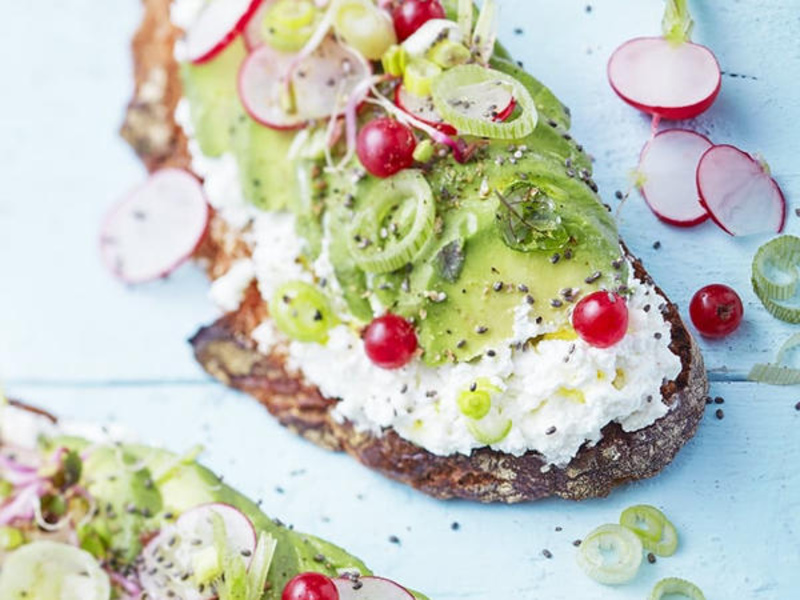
(75, 341)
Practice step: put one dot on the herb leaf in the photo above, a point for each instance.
(528, 221)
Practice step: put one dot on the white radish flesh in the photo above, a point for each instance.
(668, 168)
(218, 25)
(321, 84)
(156, 228)
(739, 193)
(170, 556)
(370, 588)
(662, 78)
(422, 108)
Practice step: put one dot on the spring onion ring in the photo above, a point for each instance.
(419, 75)
(455, 91)
(611, 554)
(645, 521)
(676, 586)
(394, 223)
(775, 276)
(302, 312)
(777, 373)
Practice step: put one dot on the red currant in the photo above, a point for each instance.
(716, 310)
(413, 14)
(390, 341)
(385, 147)
(601, 319)
(310, 586)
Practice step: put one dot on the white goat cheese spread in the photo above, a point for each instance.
(558, 394)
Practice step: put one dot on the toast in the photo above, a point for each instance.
(227, 351)
(150, 522)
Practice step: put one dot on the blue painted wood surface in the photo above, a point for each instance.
(74, 340)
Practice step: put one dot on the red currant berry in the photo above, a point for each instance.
(310, 586)
(601, 319)
(413, 14)
(716, 310)
(390, 341)
(385, 147)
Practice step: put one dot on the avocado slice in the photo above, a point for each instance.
(211, 89)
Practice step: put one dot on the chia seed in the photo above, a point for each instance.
(593, 277)
(719, 400)
(656, 245)
(550, 430)
(393, 539)
(481, 329)
(455, 526)
(720, 414)
(555, 258)
(546, 553)
(498, 285)
(651, 558)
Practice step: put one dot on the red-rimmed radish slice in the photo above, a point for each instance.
(321, 84)
(492, 100)
(662, 78)
(668, 168)
(739, 193)
(252, 31)
(422, 108)
(156, 228)
(217, 26)
(180, 548)
(370, 588)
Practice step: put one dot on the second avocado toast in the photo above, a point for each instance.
(88, 517)
(485, 246)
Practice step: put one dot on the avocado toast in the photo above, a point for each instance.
(85, 515)
(496, 394)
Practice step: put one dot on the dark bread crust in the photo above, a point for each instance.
(226, 351)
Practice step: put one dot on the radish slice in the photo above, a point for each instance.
(421, 108)
(321, 84)
(216, 27)
(661, 78)
(156, 228)
(739, 193)
(370, 588)
(252, 31)
(177, 549)
(486, 100)
(668, 166)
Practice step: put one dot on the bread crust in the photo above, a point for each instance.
(227, 351)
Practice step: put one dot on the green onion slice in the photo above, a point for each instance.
(419, 75)
(393, 223)
(289, 24)
(491, 429)
(302, 312)
(470, 97)
(645, 521)
(675, 586)
(775, 276)
(611, 554)
(668, 544)
(485, 34)
(777, 373)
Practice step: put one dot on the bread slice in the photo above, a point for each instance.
(226, 350)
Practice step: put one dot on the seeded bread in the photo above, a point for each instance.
(226, 350)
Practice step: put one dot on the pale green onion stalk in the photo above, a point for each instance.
(677, 23)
